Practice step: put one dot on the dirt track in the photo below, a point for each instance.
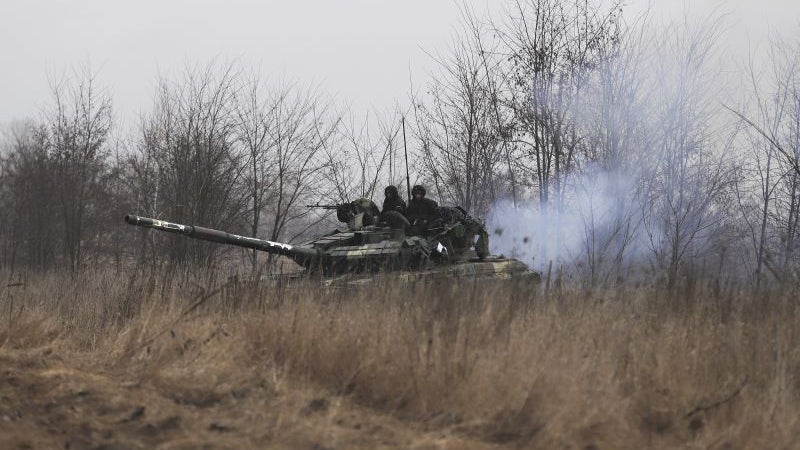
(49, 403)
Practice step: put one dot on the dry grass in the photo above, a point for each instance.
(393, 366)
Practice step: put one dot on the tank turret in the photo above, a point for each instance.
(367, 249)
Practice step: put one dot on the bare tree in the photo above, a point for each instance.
(773, 132)
(367, 154)
(301, 125)
(554, 47)
(27, 196)
(689, 181)
(186, 165)
(284, 130)
(78, 128)
(460, 127)
(253, 110)
(613, 119)
(56, 177)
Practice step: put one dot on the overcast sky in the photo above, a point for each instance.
(363, 51)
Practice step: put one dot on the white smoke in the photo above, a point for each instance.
(596, 229)
(649, 118)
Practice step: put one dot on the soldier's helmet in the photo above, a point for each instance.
(390, 191)
(418, 189)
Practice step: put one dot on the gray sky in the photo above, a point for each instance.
(363, 51)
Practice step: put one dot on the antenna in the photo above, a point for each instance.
(405, 148)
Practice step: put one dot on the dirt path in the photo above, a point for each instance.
(46, 402)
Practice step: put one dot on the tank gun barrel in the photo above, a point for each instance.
(300, 254)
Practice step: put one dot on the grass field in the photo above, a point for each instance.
(139, 361)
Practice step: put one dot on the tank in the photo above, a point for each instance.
(454, 246)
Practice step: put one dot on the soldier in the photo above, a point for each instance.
(393, 202)
(421, 211)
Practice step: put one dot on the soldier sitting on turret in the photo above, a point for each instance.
(394, 209)
(421, 211)
(393, 202)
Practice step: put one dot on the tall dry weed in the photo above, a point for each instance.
(506, 364)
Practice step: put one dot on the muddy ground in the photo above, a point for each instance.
(47, 402)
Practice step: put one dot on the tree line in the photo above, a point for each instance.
(616, 147)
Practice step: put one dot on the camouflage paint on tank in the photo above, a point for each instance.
(366, 251)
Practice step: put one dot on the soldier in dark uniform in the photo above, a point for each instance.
(393, 202)
(421, 211)
(394, 209)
